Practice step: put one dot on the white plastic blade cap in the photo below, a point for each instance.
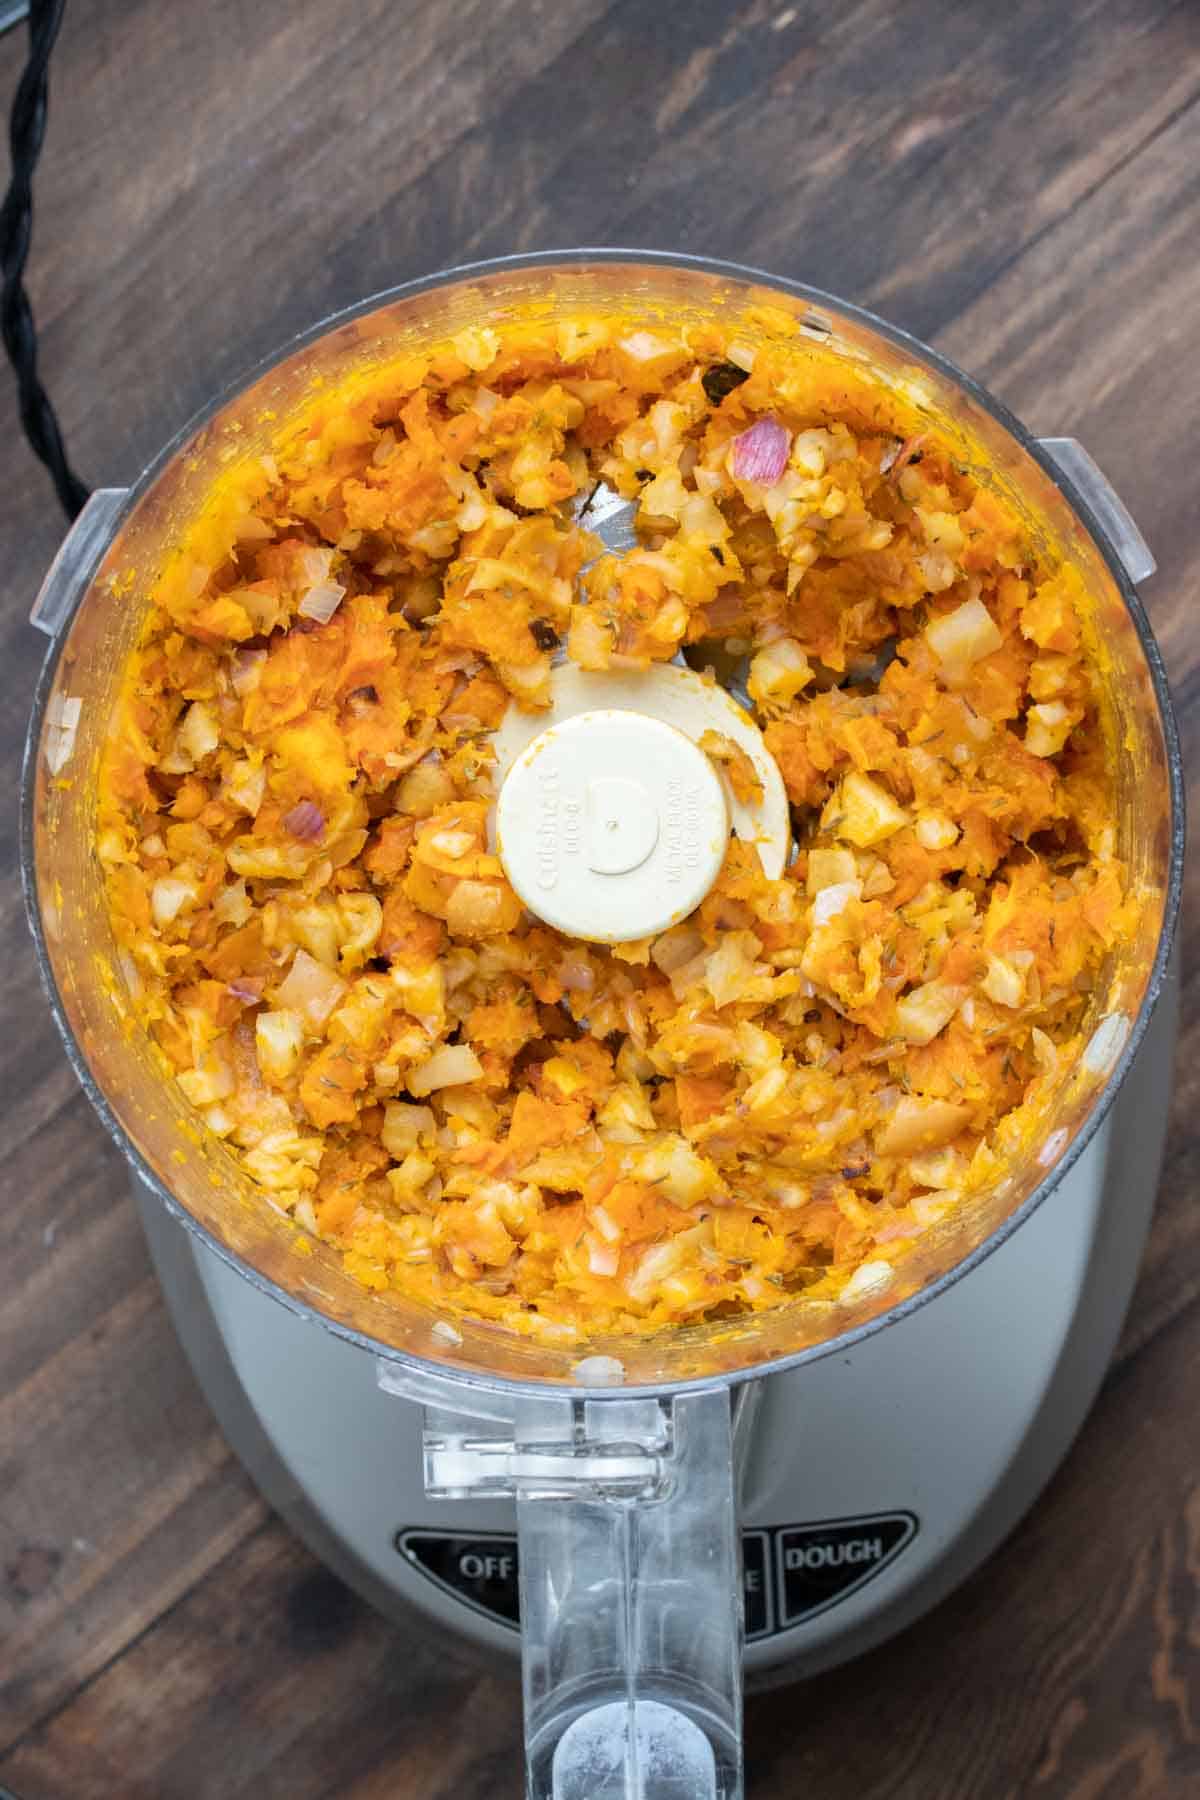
(611, 826)
(694, 705)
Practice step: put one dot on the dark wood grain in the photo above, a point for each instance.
(1019, 183)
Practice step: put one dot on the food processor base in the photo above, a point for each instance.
(874, 1482)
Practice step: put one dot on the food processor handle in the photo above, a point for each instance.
(1112, 514)
(630, 1576)
(75, 561)
(631, 1624)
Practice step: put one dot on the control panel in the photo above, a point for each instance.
(790, 1573)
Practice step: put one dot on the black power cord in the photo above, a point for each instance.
(27, 127)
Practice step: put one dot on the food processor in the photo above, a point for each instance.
(642, 1520)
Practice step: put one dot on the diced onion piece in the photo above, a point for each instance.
(424, 789)
(198, 735)
(478, 345)
(404, 1126)
(1047, 728)
(62, 722)
(247, 671)
(830, 868)
(211, 1080)
(868, 1278)
(810, 450)
(778, 672)
(130, 972)
(246, 786)
(769, 1095)
(831, 901)
(626, 1115)
(422, 991)
(529, 683)
(313, 564)
(451, 1066)
(939, 1169)
(169, 896)
(684, 1175)
(219, 1120)
(413, 1176)
(928, 1208)
(1003, 983)
(942, 530)
(962, 637)
(278, 1043)
(322, 601)
(663, 1260)
(599, 1371)
(361, 917)
(232, 905)
(729, 967)
(481, 908)
(603, 1259)
(311, 988)
(863, 812)
(676, 947)
(451, 844)
(576, 973)
(878, 879)
(934, 831)
(927, 1010)
(606, 1225)
(918, 1124)
(643, 347)
(1106, 1044)
(760, 455)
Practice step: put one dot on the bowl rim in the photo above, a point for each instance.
(467, 1377)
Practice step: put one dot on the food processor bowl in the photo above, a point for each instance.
(620, 1452)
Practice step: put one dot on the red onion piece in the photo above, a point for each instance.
(460, 662)
(247, 988)
(305, 821)
(247, 670)
(576, 976)
(760, 454)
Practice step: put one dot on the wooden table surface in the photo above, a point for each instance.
(1019, 184)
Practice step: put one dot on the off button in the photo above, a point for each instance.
(480, 1570)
